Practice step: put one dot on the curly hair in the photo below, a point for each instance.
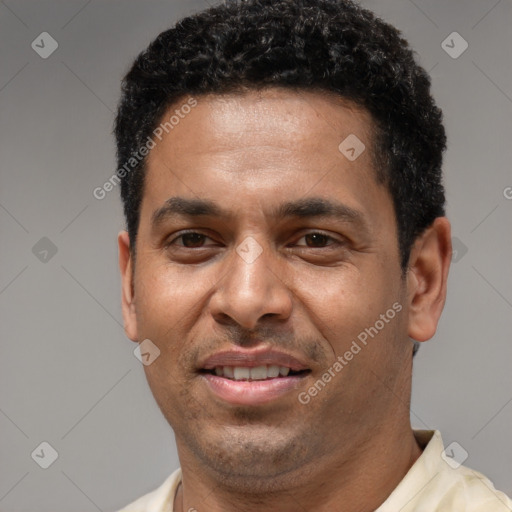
(317, 45)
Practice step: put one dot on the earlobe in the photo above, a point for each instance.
(427, 279)
(127, 287)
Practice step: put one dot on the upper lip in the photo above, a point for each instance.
(251, 358)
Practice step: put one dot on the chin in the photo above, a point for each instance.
(251, 459)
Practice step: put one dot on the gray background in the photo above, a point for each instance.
(68, 374)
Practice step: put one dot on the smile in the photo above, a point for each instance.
(243, 373)
(252, 386)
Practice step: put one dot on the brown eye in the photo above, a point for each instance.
(192, 240)
(317, 240)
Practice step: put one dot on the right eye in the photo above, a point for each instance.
(189, 240)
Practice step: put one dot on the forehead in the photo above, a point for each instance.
(261, 129)
(264, 147)
(270, 117)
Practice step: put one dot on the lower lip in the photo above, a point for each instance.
(256, 392)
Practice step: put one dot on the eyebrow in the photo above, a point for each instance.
(179, 206)
(313, 207)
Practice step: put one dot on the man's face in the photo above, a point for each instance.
(265, 271)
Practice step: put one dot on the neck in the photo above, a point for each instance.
(361, 482)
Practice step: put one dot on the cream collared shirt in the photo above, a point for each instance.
(435, 483)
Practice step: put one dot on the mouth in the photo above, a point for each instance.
(256, 373)
(243, 376)
(253, 385)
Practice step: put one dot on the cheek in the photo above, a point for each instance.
(332, 302)
(166, 298)
(347, 304)
(170, 302)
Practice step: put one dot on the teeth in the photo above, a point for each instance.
(259, 373)
(241, 373)
(256, 373)
(273, 371)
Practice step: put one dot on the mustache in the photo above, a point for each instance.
(272, 336)
(246, 337)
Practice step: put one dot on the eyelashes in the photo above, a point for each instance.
(196, 239)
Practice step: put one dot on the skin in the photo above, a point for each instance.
(308, 295)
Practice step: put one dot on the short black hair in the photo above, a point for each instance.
(317, 45)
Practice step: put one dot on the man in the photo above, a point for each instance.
(286, 247)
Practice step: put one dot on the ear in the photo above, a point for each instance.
(427, 278)
(127, 288)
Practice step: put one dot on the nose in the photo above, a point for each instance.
(252, 287)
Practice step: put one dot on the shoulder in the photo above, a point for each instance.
(159, 500)
(469, 490)
(437, 482)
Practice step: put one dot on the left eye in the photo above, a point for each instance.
(316, 240)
